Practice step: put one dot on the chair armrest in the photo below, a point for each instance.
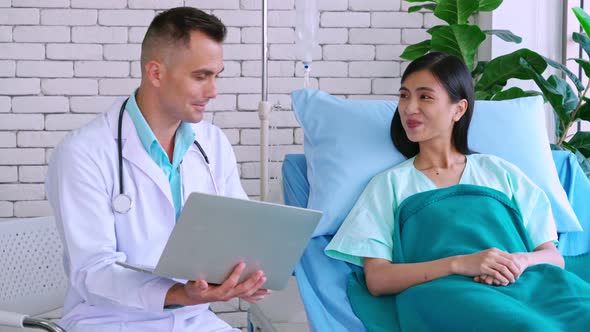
(43, 324)
(14, 319)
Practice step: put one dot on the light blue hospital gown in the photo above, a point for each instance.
(367, 230)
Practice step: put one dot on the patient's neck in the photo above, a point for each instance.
(438, 156)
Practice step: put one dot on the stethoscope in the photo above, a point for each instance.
(122, 203)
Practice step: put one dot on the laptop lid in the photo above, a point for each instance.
(214, 233)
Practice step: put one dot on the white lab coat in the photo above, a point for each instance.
(82, 179)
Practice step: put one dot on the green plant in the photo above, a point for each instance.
(569, 106)
(462, 38)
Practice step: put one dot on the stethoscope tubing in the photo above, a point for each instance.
(122, 202)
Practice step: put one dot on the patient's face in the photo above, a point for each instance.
(425, 109)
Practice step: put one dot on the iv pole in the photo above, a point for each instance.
(264, 108)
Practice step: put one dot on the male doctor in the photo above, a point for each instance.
(118, 184)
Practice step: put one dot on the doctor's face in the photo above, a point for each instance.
(426, 110)
(189, 79)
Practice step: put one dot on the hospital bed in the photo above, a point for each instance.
(345, 137)
(322, 281)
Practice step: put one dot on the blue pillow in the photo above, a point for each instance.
(347, 142)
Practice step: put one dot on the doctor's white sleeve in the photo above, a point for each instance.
(80, 197)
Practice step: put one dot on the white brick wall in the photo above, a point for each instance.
(69, 86)
(7, 139)
(17, 16)
(102, 68)
(64, 61)
(74, 51)
(68, 17)
(7, 68)
(22, 51)
(31, 208)
(155, 4)
(40, 104)
(41, 34)
(98, 4)
(8, 174)
(44, 69)
(4, 104)
(374, 5)
(345, 19)
(5, 33)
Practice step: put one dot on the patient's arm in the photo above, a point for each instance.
(545, 253)
(384, 277)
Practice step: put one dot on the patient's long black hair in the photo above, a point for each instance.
(455, 77)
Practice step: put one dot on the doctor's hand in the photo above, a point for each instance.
(199, 291)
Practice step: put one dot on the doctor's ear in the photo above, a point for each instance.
(153, 72)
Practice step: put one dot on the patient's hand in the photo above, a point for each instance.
(519, 260)
(498, 264)
(489, 280)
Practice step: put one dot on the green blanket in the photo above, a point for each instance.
(459, 220)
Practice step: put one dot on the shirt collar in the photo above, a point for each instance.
(184, 137)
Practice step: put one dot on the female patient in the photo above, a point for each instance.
(453, 232)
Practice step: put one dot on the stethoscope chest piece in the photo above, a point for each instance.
(122, 203)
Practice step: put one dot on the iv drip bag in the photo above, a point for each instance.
(306, 28)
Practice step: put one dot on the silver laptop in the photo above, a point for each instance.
(214, 233)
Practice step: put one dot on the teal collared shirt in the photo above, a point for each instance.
(183, 139)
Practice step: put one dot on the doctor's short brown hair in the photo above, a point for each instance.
(173, 27)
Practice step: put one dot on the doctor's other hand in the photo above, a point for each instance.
(199, 291)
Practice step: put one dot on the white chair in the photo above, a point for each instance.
(32, 279)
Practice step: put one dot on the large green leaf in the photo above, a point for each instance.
(582, 160)
(460, 40)
(581, 141)
(569, 74)
(583, 40)
(585, 64)
(563, 147)
(415, 51)
(557, 91)
(505, 67)
(483, 95)
(479, 69)
(488, 94)
(489, 5)
(570, 98)
(584, 163)
(456, 11)
(583, 18)
(429, 6)
(559, 126)
(505, 35)
(513, 93)
(584, 112)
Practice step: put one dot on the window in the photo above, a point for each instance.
(573, 50)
